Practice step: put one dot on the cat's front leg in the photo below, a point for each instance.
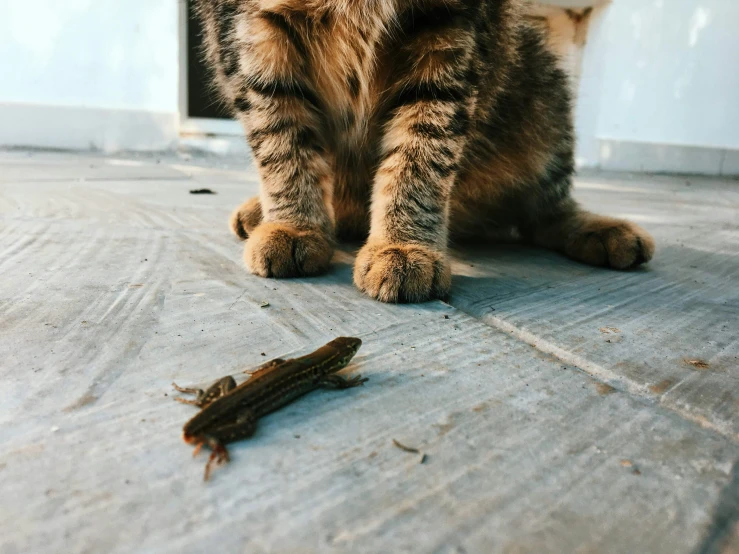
(283, 120)
(405, 258)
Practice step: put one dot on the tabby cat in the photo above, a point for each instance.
(403, 122)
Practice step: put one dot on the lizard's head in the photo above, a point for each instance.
(349, 345)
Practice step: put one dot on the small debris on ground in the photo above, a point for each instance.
(698, 364)
(202, 191)
(264, 305)
(406, 448)
(609, 330)
(604, 389)
(629, 463)
(412, 450)
(662, 386)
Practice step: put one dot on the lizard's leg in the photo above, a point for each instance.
(243, 427)
(199, 392)
(265, 366)
(218, 456)
(339, 382)
(205, 397)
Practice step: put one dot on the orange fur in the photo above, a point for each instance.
(278, 250)
(401, 121)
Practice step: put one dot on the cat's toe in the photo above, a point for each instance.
(246, 217)
(280, 250)
(614, 243)
(402, 272)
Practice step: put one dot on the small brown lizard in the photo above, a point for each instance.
(230, 412)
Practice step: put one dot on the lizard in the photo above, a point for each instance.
(230, 412)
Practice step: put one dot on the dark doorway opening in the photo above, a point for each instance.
(202, 99)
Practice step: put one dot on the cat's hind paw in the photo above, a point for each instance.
(246, 217)
(609, 242)
(280, 250)
(402, 272)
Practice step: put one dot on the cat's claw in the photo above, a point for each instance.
(402, 272)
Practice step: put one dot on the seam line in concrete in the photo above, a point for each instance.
(602, 374)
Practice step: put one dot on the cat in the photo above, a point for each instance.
(402, 122)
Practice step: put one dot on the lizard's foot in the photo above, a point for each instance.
(218, 457)
(339, 382)
(356, 381)
(186, 390)
(198, 392)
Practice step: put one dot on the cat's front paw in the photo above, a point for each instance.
(281, 250)
(402, 272)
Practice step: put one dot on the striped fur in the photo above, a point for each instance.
(405, 122)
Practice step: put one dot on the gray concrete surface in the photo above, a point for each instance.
(557, 404)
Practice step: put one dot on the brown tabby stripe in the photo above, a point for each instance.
(403, 121)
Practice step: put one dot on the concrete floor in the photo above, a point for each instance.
(562, 408)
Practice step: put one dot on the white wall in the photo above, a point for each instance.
(115, 60)
(660, 74)
(659, 83)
